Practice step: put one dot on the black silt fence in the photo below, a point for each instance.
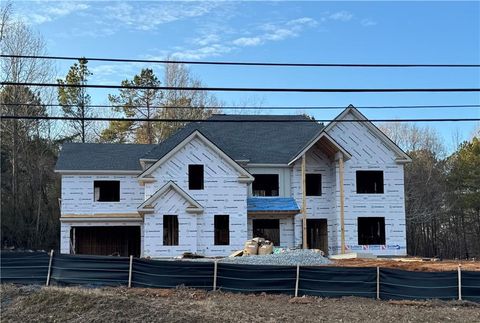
(170, 274)
(337, 281)
(399, 284)
(248, 278)
(24, 267)
(90, 270)
(43, 268)
(471, 286)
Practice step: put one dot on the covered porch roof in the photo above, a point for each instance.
(272, 205)
(326, 144)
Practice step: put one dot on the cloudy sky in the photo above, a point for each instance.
(320, 32)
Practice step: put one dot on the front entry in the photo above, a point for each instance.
(317, 234)
(267, 229)
(107, 240)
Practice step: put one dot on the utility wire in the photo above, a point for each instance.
(259, 107)
(271, 64)
(9, 117)
(244, 89)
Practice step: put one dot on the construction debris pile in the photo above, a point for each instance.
(282, 257)
(259, 251)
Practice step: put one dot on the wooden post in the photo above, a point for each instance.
(378, 282)
(215, 275)
(459, 282)
(49, 268)
(296, 281)
(304, 204)
(342, 204)
(130, 272)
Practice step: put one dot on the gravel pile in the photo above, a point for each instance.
(302, 257)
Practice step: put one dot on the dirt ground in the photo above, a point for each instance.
(414, 264)
(54, 304)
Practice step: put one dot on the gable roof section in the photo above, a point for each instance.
(245, 176)
(148, 207)
(402, 156)
(243, 137)
(75, 157)
(321, 135)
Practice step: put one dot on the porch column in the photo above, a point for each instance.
(304, 205)
(339, 157)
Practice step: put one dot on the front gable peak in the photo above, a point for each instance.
(244, 175)
(149, 205)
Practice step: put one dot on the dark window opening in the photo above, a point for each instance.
(370, 181)
(106, 191)
(222, 230)
(313, 183)
(195, 177)
(267, 229)
(265, 185)
(371, 231)
(170, 230)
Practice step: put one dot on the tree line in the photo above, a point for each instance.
(442, 191)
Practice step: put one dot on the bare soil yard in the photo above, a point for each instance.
(54, 304)
(414, 264)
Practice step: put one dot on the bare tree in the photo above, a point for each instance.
(201, 104)
(26, 147)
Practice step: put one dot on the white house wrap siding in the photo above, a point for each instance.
(222, 194)
(78, 194)
(170, 203)
(370, 153)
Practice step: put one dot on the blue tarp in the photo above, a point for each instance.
(272, 204)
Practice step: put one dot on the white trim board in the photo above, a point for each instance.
(97, 172)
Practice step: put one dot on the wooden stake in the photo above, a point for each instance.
(459, 282)
(297, 280)
(378, 282)
(49, 268)
(130, 272)
(215, 275)
(304, 204)
(342, 205)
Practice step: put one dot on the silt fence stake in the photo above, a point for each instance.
(49, 268)
(296, 280)
(215, 266)
(378, 282)
(130, 272)
(459, 282)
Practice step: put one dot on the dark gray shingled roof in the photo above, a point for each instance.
(257, 142)
(78, 156)
(260, 143)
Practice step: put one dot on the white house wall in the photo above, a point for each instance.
(370, 153)
(78, 194)
(222, 194)
(170, 203)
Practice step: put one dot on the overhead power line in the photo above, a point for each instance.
(441, 106)
(230, 120)
(244, 89)
(267, 64)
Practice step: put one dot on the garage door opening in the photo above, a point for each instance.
(105, 241)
